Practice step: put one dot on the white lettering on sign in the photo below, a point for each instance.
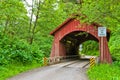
(102, 32)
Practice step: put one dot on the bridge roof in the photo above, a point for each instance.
(70, 19)
(61, 25)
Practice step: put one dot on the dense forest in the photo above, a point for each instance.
(24, 33)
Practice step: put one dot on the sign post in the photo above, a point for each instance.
(102, 33)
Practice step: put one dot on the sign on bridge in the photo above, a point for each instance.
(102, 32)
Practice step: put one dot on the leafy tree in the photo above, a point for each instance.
(12, 15)
(104, 12)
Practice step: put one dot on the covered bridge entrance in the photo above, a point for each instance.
(71, 33)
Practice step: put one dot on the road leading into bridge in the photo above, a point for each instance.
(70, 70)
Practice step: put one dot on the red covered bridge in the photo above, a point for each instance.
(67, 38)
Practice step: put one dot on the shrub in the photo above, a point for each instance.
(90, 48)
(15, 50)
(114, 45)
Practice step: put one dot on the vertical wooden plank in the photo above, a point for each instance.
(62, 50)
(52, 54)
(101, 49)
(105, 56)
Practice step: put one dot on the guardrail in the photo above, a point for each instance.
(57, 59)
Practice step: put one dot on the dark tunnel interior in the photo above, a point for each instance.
(74, 39)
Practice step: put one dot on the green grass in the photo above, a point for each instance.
(14, 69)
(104, 72)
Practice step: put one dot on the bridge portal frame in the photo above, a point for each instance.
(72, 25)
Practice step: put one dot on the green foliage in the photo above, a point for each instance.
(104, 72)
(104, 12)
(90, 48)
(15, 50)
(114, 44)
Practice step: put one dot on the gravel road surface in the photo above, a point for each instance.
(71, 70)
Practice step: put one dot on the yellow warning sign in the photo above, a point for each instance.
(45, 61)
(92, 62)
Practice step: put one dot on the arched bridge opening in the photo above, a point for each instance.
(72, 41)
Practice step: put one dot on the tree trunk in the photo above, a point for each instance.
(35, 24)
(31, 18)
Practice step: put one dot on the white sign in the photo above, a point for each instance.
(80, 47)
(102, 32)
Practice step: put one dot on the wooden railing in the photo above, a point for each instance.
(58, 59)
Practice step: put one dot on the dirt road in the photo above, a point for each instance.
(71, 70)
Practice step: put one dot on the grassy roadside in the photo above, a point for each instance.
(14, 69)
(104, 72)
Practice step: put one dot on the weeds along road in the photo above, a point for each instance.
(70, 70)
